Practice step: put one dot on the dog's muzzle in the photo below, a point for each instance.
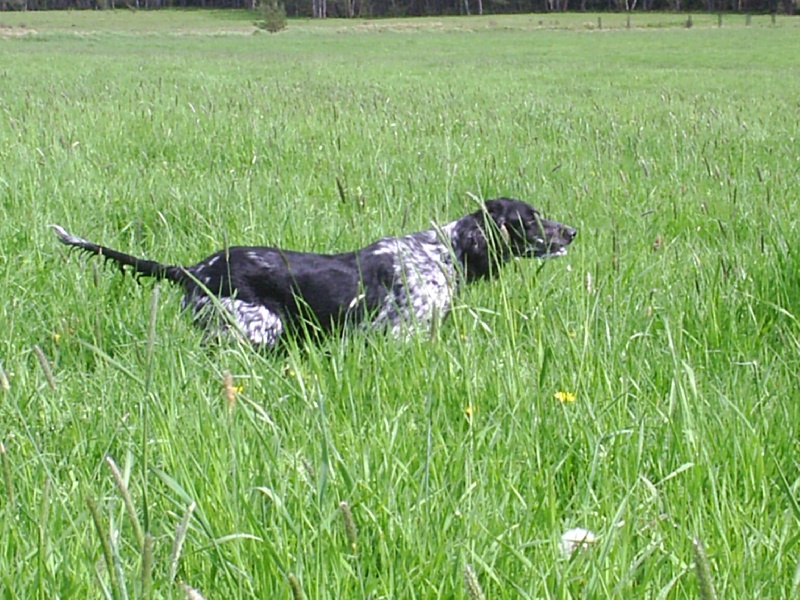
(555, 244)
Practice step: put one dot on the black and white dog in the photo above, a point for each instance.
(397, 283)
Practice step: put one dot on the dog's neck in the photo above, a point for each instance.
(467, 239)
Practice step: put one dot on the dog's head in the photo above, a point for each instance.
(523, 231)
(506, 228)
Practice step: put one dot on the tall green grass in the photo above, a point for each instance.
(442, 466)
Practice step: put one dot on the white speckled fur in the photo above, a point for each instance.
(426, 280)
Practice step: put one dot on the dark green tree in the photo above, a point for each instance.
(273, 15)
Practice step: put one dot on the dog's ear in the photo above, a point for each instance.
(493, 211)
(495, 222)
(474, 245)
(478, 245)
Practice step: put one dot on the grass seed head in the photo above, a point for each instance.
(349, 525)
(122, 486)
(703, 571)
(471, 583)
(297, 590)
(230, 390)
(177, 543)
(45, 364)
(308, 468)
(7, 474)
(4, 383)
(147, 566)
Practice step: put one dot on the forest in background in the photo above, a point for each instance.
(399, 8)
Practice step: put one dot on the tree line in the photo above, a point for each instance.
(400, 8)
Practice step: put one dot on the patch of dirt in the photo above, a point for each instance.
(409, 25)
(9, 31)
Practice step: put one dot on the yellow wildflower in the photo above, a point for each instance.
(564, 396)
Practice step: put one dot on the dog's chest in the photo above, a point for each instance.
(425, 281)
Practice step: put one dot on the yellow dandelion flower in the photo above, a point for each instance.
(469, 411)
(564, 396)
(56, 337)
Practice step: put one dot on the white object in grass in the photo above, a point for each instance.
(575, 539)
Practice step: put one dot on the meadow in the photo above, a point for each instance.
(645, 386)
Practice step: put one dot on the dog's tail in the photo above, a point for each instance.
(141, 268)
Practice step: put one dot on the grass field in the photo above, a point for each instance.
(644, 387)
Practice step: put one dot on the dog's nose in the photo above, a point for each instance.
(569, 233)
